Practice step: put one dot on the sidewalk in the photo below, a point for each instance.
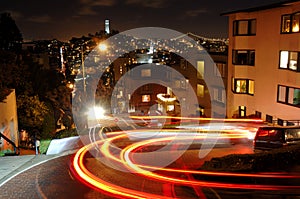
(11, 166)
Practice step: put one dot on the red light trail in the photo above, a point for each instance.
(125, 158)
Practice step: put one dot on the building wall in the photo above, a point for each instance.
(9, 121)
(149, 89)
(266, 74)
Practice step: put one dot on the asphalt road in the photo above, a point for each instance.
(48, 180)
(53, 179)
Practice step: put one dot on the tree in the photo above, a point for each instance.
(14, 74)
(48, 128)
(10, 43)
(6, 65)
(10, 35)
(4, 92)
(67, 120)
(60, 99)
(31, 112)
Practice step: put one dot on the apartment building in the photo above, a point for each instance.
(264, 62)
(198, 88)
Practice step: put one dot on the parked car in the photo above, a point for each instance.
(271, 137)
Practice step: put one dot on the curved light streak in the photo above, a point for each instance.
(100, 184)
(124, 158)
(197, 118)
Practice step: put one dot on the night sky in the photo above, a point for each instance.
(63, 19)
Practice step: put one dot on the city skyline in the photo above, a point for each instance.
(66, 19)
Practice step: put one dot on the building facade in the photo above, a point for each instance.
(263, 62)
(175, 94)
(9, 122)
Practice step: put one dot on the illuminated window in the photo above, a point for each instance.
(290, 23)
(200, 110)
(285, 23)
(200, 69)
(146, 72)
(242, 111)
(244, 27)
(243, 57)
(145, 98)
(296, 20)
(288, 95)
(243, 86)
(284, 59)
(170, 107)
(289, 60)
(251, 87)
(200, 90)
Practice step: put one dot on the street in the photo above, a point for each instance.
(56, 179)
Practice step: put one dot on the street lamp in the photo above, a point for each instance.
(95, 114)
(70, 85)
(102, 47)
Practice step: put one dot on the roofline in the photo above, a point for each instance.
(263, 7)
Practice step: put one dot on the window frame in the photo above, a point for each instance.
(200, 92)
(287, 95)
(146, 98)
(249, 27)
(219, 95)
(248, 61)
(220, 69)
(290, 25)
(288, 66)
(200, 69)
(234, 86)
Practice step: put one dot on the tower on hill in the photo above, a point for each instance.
(106, 26)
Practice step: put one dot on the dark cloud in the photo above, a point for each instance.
(148, 3)
(87, 10)
(40, 19)
(88, 5)
(195, 13)
(14, 14)
(98, 2)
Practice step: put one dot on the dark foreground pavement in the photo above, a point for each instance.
(51, 179)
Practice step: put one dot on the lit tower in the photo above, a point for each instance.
(106, 28)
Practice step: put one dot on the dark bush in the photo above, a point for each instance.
(284, 159)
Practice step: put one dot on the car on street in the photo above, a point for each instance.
(272, 137)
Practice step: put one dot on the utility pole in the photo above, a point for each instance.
(83, 69)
